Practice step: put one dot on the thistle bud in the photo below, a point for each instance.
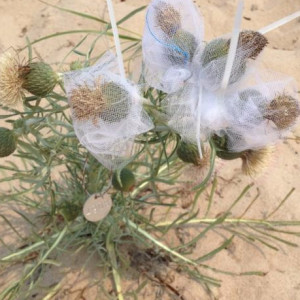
(7, 142)
(215, 49)
(38, 78)
(123, 180)
(117, 101)
(188, 153)
(168, 18)
(222, 151)
(250, 45)
(185, 49)
(283, 111)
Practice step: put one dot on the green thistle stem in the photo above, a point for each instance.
(231, 221)
(158, 243)
(112, 255)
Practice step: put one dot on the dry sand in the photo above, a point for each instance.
(282, 281)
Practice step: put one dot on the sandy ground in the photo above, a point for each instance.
(282, 281)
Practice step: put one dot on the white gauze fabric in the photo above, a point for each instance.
(253, 110)
(107, 111)
(262, 110)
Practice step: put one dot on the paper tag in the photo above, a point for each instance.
(97, 207)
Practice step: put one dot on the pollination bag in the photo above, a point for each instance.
(255, 109)
(107, 111)
(259, 111)
(172, 41)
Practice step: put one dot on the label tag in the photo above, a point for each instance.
(97, 207)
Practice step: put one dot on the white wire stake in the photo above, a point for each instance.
(198, 122)
(280, 22)
(233, 45)
(116, 37)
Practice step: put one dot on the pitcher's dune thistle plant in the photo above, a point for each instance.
(37, 78)
(8, 142)
(66, 165)
(284, 111)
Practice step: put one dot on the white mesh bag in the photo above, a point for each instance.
(172, 41)
(254, 112)
(262, 109)
(107, 111)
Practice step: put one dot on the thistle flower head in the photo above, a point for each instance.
(252, 41)
(37, 78)
(254, 161)
(284, 111)
(11, 91)
(87, 103)
(105, 100)
(168, 18)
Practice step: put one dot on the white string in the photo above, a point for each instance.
(279, 23)
(233, 45)
(116, 37)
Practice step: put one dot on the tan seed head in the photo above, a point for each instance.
(284, 111)
(11, 91)
(87, 103)
(168, 18)
(254, 161)
(253, 42)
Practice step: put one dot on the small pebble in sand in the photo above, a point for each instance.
(254, 7)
